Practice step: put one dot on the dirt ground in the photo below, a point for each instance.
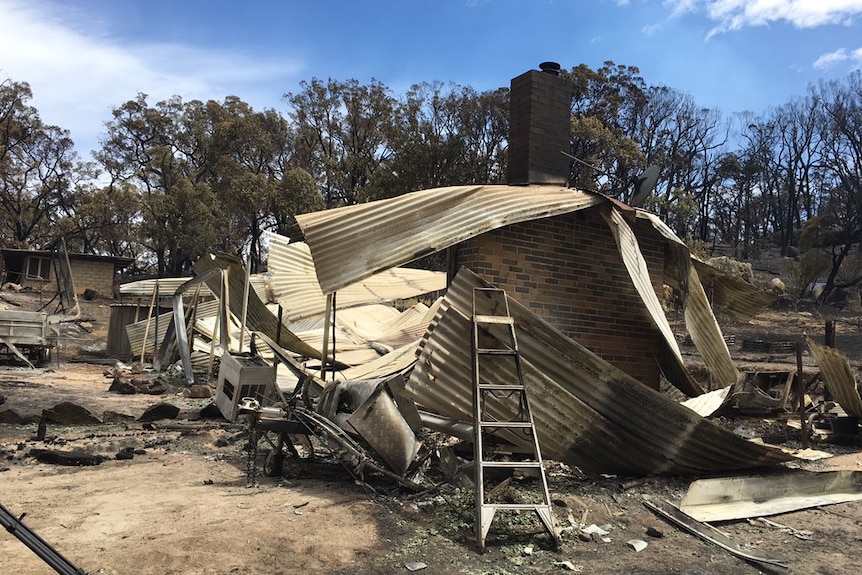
(183, 505)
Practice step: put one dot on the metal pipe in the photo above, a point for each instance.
(39, 546)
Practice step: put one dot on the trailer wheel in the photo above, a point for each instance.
(273, 463)
(44, 356)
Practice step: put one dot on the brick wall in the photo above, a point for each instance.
(95, 275)
(87, 274)
(567, 269)
(539, 110)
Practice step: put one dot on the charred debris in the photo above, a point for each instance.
(340, 347)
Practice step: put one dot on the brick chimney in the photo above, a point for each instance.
(539, 110)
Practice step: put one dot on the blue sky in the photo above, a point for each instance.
(84, 57)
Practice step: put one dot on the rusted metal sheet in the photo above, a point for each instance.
(294, 282)
(587, 412)
(388, 233)
(838, 376)
(671, 360)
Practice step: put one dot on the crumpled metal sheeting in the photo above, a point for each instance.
(699, 318)
(392, 232)
(294, 282)
(587, 412)
(145, 289)
(258, 316)
(706, 335)
(838, 377)
(731, 295)
(670, 361)
(399, 360)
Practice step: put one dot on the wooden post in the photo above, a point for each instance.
(801, 393)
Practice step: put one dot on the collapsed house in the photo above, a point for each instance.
(583, 274)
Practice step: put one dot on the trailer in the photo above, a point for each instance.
(29, 335)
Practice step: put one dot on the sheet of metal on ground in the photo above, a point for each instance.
(724, 499)
(838, 377)
(294, 282)
(258, 316)
(587, 412)
(671, 359)
(699, 318)
(711, 534)
(389, 233)
(708, 403)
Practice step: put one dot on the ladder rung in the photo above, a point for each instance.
(512, 464)
(501, 387)
(493, 319)
(512, 424)
(517, 506)
(496, 351)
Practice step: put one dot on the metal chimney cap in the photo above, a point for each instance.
(550, 68)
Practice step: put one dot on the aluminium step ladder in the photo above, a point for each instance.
(500, 407)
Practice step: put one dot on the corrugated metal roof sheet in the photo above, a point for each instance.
(732, 295)
(838, 377)
(294, 282)
(258, 316)
(354, 242)
(167, 286)
(587, 412)
(699, 318)
(671, 360)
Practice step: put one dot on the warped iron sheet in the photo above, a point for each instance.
(167, 286)
(699, 318)
(671, 360)
(294, 282)
(724, 499)
(258, 316)
(388, 233)
(732, 295)
(587, 412)
(838, 377)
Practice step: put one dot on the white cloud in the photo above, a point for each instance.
(78, 72)
(839, 57)
(831, 59)
(736, 14)
(651, 30)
